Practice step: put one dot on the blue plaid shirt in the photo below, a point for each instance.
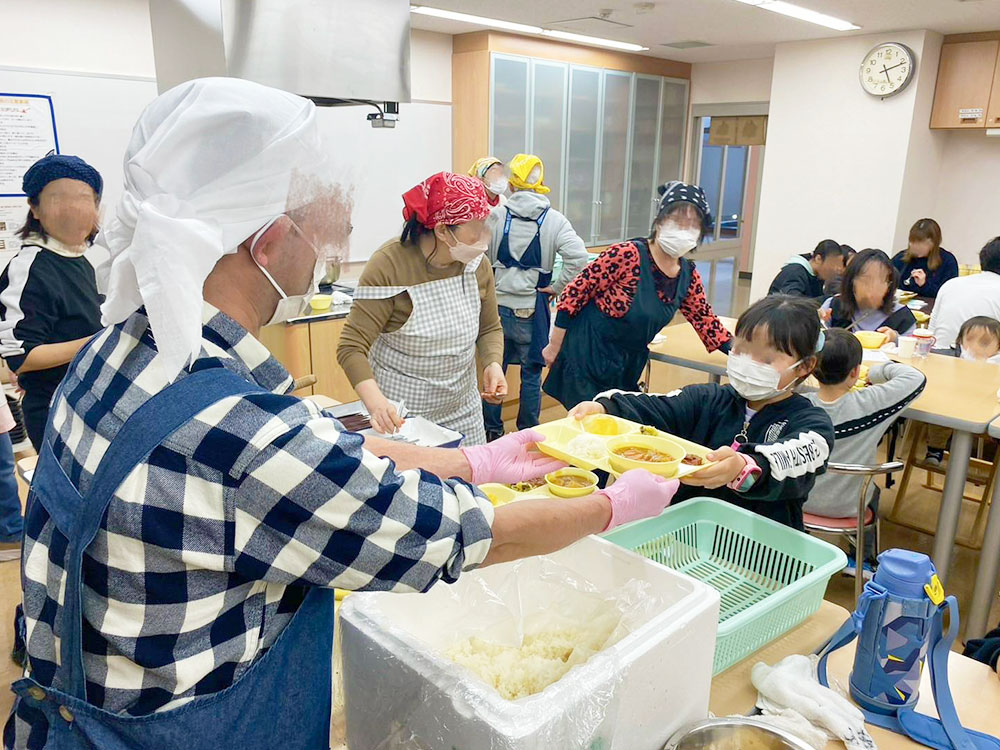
(207, 548)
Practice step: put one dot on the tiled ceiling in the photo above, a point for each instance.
(734, 30)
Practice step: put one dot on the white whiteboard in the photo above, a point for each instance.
(95, 116)
(380, 164)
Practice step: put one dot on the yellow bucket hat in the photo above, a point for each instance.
(520, 168)
(479, 166)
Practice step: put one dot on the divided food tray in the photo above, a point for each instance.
(560, 433)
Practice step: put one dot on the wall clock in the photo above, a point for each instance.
(887, 69)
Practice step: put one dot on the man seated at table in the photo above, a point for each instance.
(806, 275)
(968, 297)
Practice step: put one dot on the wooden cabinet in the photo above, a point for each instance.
(311, 348)
(967, 81)
(993, 112)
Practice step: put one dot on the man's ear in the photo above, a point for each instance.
(268, 241)
(855, 374)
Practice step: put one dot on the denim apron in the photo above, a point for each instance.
(281, 700)
(600, 352)
(531, 259)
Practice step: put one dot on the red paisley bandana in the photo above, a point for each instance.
(446, 198)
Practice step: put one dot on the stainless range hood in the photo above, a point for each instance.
(331, 51)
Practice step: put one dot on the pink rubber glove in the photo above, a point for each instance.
(638, 494)
(510, 459)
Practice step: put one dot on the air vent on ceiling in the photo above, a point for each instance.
(690, 44)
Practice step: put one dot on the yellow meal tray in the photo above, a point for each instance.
(560, 433)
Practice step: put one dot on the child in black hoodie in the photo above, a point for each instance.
(771, 444)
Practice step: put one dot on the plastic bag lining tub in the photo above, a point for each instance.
(403, 693)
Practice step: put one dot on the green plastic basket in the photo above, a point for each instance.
(770, 577)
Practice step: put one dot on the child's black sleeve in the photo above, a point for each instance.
(675, 413)
(789, 466)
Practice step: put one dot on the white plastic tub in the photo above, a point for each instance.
(401, 693)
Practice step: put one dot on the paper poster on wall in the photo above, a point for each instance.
(27, 133)
(12, 214)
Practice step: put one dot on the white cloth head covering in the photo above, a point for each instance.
(209, 163)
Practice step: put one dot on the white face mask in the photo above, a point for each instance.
(677, 242)
(755, 381)
(465, 253)
(289, 306)
(497, 187)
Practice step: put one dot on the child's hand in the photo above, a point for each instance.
(585, 409)
(728, 466)
(919, 277)
(826, 315)
(892, 335)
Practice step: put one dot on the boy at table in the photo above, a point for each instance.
(860, 419)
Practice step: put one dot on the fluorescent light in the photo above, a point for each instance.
(582, 39)
(803, 14)
(492, 23)
(495, 23)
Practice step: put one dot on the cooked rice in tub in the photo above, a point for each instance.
(542, 659)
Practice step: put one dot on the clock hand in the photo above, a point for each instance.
(884, 70)
(894, 66)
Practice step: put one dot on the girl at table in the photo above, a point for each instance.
(608, 315)
(978, 341)
(924, 266)
(867, 299)
(770, 443)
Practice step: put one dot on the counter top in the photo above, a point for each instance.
(334, 312)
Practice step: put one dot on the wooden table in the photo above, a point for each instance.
(959, 395)
(974, 686)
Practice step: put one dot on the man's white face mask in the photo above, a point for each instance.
(294, 305)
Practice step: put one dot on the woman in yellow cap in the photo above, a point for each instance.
(490, 171)
(526, 236)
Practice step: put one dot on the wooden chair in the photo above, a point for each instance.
(853, 527)
(982, 473)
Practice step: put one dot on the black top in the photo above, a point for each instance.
(947, 270)
(901, 319)
(45, 298)
(795, 279)
(790, 441)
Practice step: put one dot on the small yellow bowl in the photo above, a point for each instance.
(920, 317)
(321, 301)
(499, 494)
(620, 464)
(870, 339)
(560, 491)
(605, 425)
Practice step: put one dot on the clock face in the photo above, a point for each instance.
(887, 69)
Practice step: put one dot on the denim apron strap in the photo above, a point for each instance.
(144, 430)
(530, 259)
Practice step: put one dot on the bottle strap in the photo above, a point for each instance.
(946, 733)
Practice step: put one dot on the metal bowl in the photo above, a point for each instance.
(733, 733)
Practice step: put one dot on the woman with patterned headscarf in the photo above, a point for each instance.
(425, 310)
(608, 315)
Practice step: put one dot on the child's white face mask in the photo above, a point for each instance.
(755, 381)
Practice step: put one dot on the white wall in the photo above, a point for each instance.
(837, 158)
(967, 188)
(89, 36)
(729, 82)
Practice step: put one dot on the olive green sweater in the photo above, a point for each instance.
(396, 264)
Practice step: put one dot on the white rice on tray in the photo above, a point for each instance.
(589, 447)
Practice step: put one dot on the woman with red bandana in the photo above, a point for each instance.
(425, 311)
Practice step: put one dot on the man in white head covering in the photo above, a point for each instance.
(189, 519)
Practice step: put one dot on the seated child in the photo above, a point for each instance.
(860, 419)
(770, 443)
(867, 299)
(978, 340)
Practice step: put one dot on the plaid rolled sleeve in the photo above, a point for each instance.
(315, 508)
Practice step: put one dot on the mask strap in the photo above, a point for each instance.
(253, 244)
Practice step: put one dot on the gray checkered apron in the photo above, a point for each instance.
(430, 362)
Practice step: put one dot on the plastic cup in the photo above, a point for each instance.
(925, 341)
(907, 346)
